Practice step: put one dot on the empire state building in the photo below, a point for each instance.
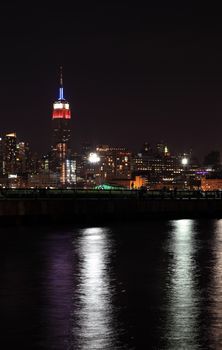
(61, 135)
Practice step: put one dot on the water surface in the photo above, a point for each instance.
(153, 285)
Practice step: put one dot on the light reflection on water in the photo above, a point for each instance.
(215, 290)
(150, 285)
(183, 296)
(94, 319)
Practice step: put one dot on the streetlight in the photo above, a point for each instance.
(93, 158)
(184, 161)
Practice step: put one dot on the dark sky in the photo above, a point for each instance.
(132, 73)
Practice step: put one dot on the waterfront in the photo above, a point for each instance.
(94, 207)
(154, 285)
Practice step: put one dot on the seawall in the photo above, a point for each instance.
(81, 210)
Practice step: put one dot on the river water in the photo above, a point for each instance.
(150, 285)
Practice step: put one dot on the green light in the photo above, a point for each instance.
(108, 187)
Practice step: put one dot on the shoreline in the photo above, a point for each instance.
(36, 211)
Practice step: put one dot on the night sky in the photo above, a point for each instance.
(132, 73)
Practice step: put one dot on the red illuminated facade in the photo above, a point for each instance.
(61, 110)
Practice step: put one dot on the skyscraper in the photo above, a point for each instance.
(10, 153)
(61, 134)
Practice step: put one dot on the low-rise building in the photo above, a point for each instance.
(211, 184)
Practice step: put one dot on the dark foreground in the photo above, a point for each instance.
(153, 285)
(99, 207)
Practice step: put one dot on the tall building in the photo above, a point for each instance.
(115, 162)
(10, 154)
(23, 157)
(61, 136)
(1, 156)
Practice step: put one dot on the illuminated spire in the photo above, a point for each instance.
(61, 97)
(61, 108)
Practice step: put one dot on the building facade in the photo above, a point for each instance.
(61, 162)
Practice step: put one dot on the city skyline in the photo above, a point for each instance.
(132, 74)
(54, 117)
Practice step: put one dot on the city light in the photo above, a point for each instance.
(184, 161)
(93, 158)
(155, 166)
